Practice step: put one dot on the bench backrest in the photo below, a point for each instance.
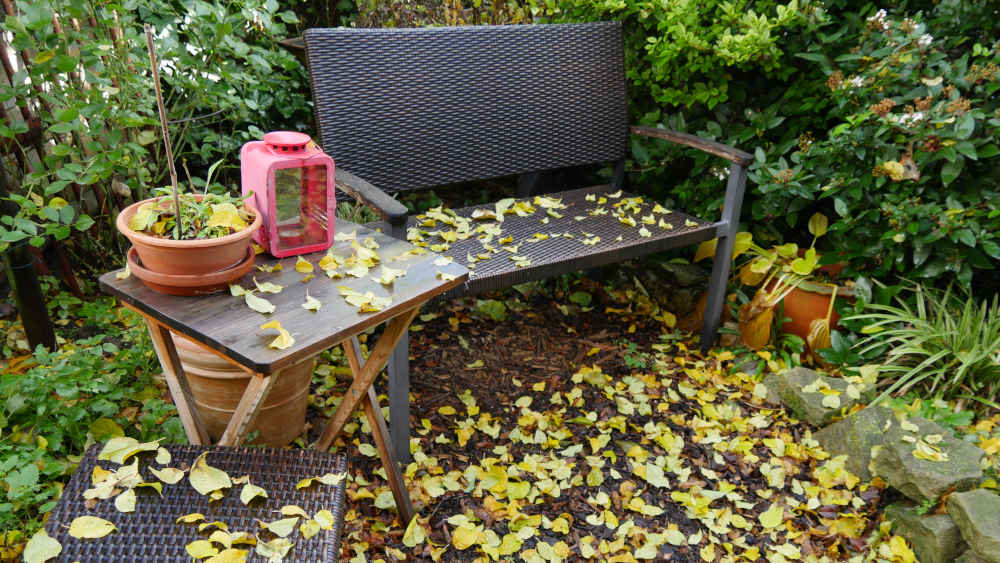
(413, 108)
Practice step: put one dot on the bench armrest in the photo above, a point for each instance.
(380, 202)
(731, 154)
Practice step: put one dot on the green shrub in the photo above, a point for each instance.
(95, 387)
(225, 82)
(910, 167)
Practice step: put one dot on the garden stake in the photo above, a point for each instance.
(163, 128)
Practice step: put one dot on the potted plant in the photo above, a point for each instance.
(208, 247)
(789, 277)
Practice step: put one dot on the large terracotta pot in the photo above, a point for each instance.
(218, 385)
(188, 257)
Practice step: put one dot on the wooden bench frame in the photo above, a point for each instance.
(415, 108)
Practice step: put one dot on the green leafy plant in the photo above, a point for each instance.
(942, 342)
(909, 165)
(97, 385)
(210, 216)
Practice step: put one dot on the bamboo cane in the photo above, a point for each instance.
(163, 129)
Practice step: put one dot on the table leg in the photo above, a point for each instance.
(246, 411)
(364, 376)
(177, 382)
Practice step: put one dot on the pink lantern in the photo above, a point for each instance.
(291, 180)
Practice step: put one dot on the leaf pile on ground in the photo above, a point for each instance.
(551, 432)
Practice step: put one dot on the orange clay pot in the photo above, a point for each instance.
(188, 257)
(808, 302)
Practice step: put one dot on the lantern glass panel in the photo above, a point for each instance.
(300, 206)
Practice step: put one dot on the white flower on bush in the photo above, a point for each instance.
(925, 40)
(857, 82)
(879, 20)
(907, 119)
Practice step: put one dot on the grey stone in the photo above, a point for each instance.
(977, 515)
(970, 557)
(685, 275)
(854, 436)
(935, 537)
(808, 406)
(920, 479)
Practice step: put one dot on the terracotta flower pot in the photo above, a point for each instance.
(808, 302)
(188, 257)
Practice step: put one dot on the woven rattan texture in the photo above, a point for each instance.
(151, 534)
(413, 108)
(559, 254)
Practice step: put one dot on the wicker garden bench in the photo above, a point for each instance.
(403, 109)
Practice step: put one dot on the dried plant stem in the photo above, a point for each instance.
(163, 129)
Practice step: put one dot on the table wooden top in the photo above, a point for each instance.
(225, 323)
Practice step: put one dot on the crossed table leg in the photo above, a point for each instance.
(360, 391)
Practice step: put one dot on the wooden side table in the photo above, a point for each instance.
(224, 325)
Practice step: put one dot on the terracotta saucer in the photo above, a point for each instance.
(179, 284)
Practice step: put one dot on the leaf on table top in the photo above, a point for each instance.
(303, 266)
(169, 475)
(283, 340)
(259, 304)
(311, 304)
(217, 524)
(119, 449)
(388, 275)
(280, 528)
(236, 290)
(250, 492)
(270, 269)
(41, 548)
(221, 537)
(344, 236)
(124, 273)
(267, 287)
(644, 232)
(90, 527)
(205, 478)
(443, 260)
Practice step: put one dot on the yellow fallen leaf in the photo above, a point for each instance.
(270, 269)
(258, 304)
(41, 548)
(90, 527)
(251, 492)
(326, 479)
(200, 549)
(303, 266)
(283, 340)
(311, 304)
(274, 550)
(446, 276)
(463, 537)
(229, 555)
(205, 478)
(168, 475)
(125, 501)
(124, 273)
(191, 518)
(771, 518)
(119, 449)
(324, 518)
(414, 534)
(280, 528)
(267, 287)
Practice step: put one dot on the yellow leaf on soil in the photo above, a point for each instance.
(226, 215)
(771, 518)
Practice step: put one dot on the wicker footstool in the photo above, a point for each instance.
(151, 533)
